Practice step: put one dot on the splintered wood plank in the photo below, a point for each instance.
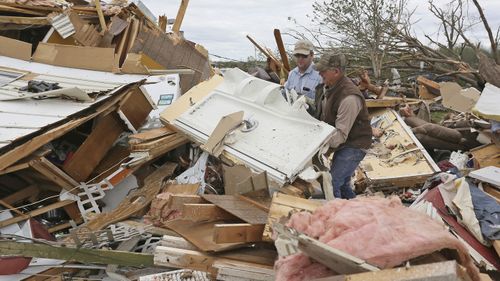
(240, 208)
(201, 234)
(205, 212)
(284, 205)
(134, 202)
(150, 135)
(94, 148)
(238, 232)
(180, 16)
(77, 254)
(53, 173)
(35, 213)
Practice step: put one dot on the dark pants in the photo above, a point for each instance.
(345, 161)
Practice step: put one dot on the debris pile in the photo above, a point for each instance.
(123, 156)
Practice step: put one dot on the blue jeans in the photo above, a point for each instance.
(345, 161)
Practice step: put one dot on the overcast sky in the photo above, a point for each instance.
(221, 26)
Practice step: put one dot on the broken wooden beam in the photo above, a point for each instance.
(34, 213)
(36, 250)
(180, 16)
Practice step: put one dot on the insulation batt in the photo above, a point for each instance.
(380, 231)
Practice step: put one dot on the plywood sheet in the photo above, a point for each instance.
(238, 207)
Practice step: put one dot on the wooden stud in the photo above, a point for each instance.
(180, 16)
(102, 21)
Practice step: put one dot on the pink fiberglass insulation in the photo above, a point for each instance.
(380, 231)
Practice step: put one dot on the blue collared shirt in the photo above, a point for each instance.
(304, 83)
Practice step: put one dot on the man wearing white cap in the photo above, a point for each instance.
(303, 78)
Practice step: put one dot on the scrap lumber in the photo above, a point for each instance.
(196, 260)
(172, 52)
(6, 8)
(25, 149)
(240, 208)
(85, 33)
(53, 173)
(181, 258)
(432, 86)
(25, 20)
(283, 205)
(177, 201)
(389, 102)
(100, 14)
(135, 108)
(204, 213)
(38, 250)
(258, 256)
(180, 16)
(154, 149)
(201, 234)
(94, 148)
(150, 135)
(446, 270)
(35, 213)
(406, 164)
(134, 202)
(238, 233)
(281, 48)
(237, 271)
(148, 228)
